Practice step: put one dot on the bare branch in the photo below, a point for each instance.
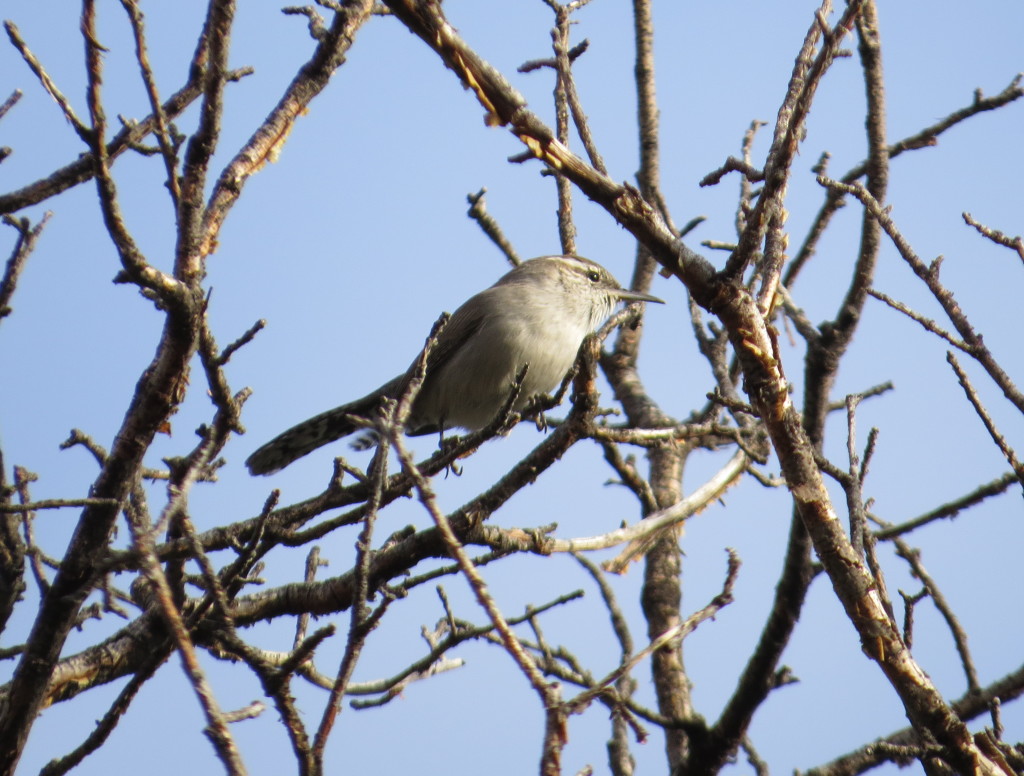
(57, 503)
(168, 148)
(269, 138)
(83, 168)
(649, 530)
(767, 218)
(106, 725)
(360, 622)
(951, 509)
(27, 237)
(930, 275)
(555, 735)
(679, 632)
(927, 137)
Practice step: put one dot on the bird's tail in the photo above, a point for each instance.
(303, 439)
(323, 429)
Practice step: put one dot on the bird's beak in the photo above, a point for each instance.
(636, 296)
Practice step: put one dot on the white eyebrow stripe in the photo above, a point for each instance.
(575, 263)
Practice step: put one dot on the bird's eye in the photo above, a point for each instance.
(593, 276)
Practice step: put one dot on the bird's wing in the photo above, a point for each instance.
(461, 327)
(464, 323)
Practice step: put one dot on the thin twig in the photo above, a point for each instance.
(168, 148)
(105, 726)
(83, 168)
(554, 737)
(478, 212)
(10, 102)
(57, 503)
(913, 557)
(360, 621)
(641, 535)
(168, 289)
(979, 408)
(925, 138)
(44, 78)
(679, 632)
(1014, 243)
(767, 219)
(22, 479)
(560, 43)
(457, 551)
(217, 729)
(432, 663)
(929, 273)
(950, 509)
(27, 237)
(926, 323)
(266, 143)
(313, 562)
(245, 339)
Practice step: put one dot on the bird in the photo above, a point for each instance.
(535, 317)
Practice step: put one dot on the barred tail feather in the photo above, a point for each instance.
(302, 439)
(316, 432)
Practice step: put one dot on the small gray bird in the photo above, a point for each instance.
(537, 315)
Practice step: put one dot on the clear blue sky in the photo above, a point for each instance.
(354, 241)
